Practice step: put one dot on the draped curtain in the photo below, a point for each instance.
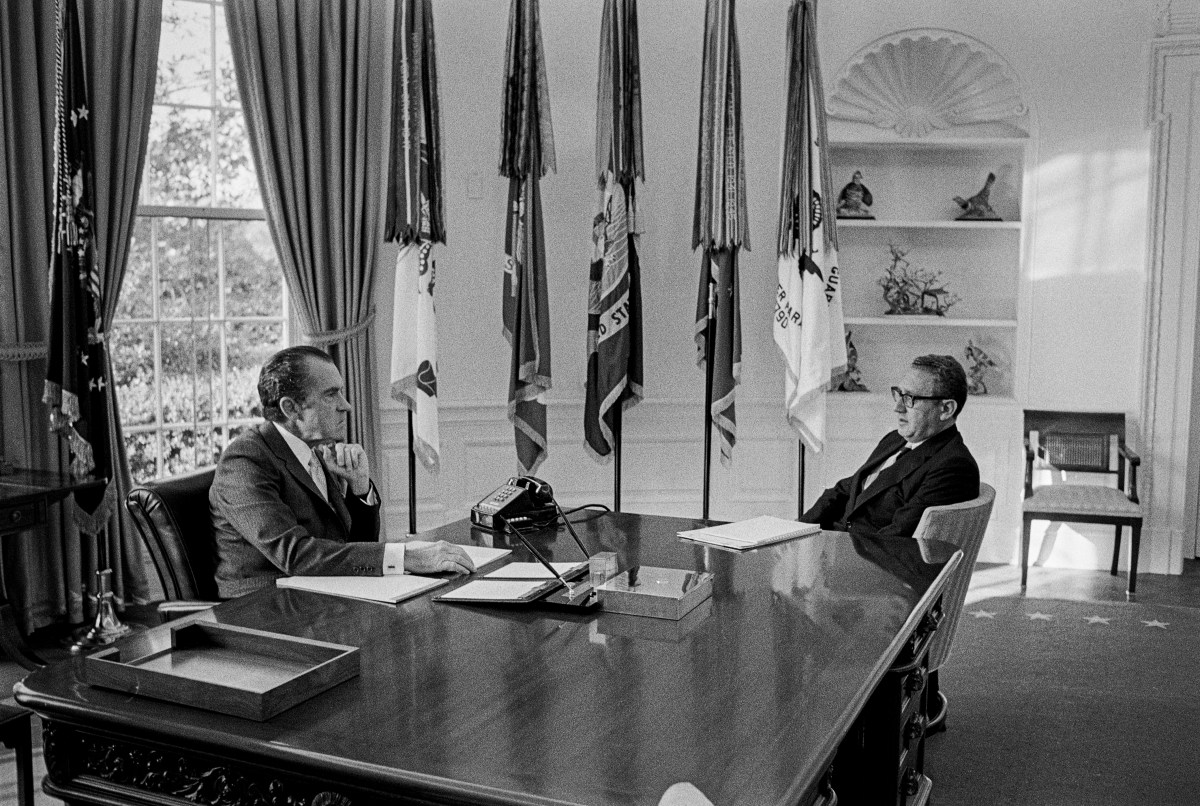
(121, 40)
(318, 135)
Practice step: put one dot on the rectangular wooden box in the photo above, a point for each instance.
(659, 592)
(234, 670)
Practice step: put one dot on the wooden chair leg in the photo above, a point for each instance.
(1135, 543)
(1116, 550)
(15, 735)
(1026, 524)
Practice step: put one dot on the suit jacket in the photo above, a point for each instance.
(939, 471)
(270, 520)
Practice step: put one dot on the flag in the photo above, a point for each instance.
(526, 154)
(614, 335)
(808, 307)
(77, 355)
(415, 219)
(721, 224)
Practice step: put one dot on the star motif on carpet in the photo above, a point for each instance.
(1097, 619)
(983, 614)
(1039, 616)
(1162, 625)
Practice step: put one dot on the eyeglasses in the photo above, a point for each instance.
(910, 400)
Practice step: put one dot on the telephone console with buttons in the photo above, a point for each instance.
(521, 500)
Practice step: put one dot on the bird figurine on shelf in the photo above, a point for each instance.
(978, 208)
(855, 200)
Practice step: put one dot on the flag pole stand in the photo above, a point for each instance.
(800, 487)
(107, 626)
(412, 480)
(709, 335)
(617, 458)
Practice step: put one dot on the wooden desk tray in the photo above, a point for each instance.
(233, 670)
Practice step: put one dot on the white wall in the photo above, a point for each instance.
(1083, 65)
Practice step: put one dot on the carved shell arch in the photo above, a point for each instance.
(920, 81)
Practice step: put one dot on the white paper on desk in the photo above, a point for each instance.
(534, 570)
(751, 533)
(498, 590)
(482, 555)
(390, 589)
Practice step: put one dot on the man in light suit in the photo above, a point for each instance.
(291, 498)
(923, 463)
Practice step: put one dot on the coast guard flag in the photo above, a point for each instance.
(614, 336)
(808, 307)
(414, 218)
(721, 224)
(526, 154)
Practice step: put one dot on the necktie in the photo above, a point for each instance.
(317, 471)
(891, 460)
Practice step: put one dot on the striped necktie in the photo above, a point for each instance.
(891, 460)
(317, 471)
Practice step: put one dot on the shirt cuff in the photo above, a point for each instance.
(393, 557)
(371, 499)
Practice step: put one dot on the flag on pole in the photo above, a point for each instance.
(415, 219)
(808, 308)
(77, 355)
(526, 154)
(614, 337)
(721, 225)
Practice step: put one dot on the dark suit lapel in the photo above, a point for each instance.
(886, 447)
(283, 452)
(906, 465)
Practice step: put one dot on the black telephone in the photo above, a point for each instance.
(522, 500)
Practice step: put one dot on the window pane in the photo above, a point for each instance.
(187, 272)
(179, 157)
(185, 54)
(227, 91)
(237, 185)
(136, 301)
(253, 278)
(179, 451)
(247, 347)
(142, 449)
(186, 378)
(133, 371)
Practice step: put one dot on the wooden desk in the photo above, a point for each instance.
(25, 499)
(748, 701)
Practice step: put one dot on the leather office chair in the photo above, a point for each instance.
(963, 525)
(1082, 442)
(173, 520)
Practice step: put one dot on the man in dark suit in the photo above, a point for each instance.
(923, 463)
(291, 498)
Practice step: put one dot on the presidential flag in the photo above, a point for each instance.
(415, 219)
(77, 355)
(721, 224)
(614, 334)
(808, 322)
(526, 154)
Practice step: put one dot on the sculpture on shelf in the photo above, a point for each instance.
(978, 208)
(978, 363)
(909, 291)
(855, 200)
(851, 379)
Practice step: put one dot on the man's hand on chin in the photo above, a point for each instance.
(348, 460)
(423, 557)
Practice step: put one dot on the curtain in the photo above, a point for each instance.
(121, 47)
(35, 565)
(319, 138)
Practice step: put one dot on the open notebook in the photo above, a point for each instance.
(761, 531)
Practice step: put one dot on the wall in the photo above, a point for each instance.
(1084, 69)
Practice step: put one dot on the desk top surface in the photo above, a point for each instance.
(21, 485)
(745, 698)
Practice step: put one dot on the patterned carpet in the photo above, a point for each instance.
(1065, 702)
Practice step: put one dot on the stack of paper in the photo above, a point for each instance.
(536, 570)
(392, 589)
(752, 533)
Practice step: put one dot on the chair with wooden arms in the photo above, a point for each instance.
(1086, 442)
(173, 519)
(964, 525)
